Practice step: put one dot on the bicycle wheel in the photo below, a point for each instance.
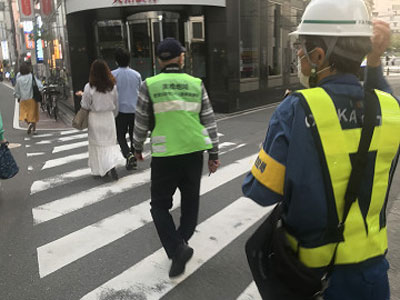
(43, 103)
(49, 108)
(55, 112)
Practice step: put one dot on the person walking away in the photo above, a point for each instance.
(309, 150)
(23, 91)
(128, 84)
(100, 97)
(175, 107)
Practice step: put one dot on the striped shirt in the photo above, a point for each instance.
(144, 120)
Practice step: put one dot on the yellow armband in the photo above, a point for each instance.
(269, 172)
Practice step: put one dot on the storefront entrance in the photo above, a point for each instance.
(145, 31)
(141, 33)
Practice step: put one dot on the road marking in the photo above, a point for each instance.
(35, 154)
(64, 160)
(73, 137)
(43, 143)
(250, 293)
(42, 185)
(59, 253)
(70, 146)
(43, 135)
(72, 131)
(234, 148)
(148, 279)
(60, 207)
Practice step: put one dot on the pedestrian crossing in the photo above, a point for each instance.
(59, 195)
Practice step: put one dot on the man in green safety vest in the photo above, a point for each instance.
(308, 154)
(175, 107)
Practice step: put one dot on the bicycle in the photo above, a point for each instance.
(50, 99)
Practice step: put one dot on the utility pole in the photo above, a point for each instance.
(13, 32)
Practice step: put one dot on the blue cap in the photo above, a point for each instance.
(169, 48)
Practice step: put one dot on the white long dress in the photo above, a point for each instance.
(104, 152)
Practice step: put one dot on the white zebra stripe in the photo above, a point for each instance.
(70, 146)
(35, 154)
(64, 160)
(211, 237)
(43, 185)
(250, 293)
(73, 137)
(66, 132)
(55, 255)
(57, 208)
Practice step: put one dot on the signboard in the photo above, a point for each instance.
(26, 9)
(46, 8)
(4, 50)
(28, 29)
(39, 51)
(29, 43)
(79, 5)
(39, 42)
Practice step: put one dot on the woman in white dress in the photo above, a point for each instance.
(100, 97)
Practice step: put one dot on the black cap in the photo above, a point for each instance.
(169, 48)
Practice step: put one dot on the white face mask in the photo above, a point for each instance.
(304, 79)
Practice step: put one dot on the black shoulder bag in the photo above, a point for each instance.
(37, 95)
(276, 269)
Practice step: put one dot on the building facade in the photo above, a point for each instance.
(240, 48)
(389, 11)
(10, 37)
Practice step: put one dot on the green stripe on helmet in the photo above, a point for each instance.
(329, 22)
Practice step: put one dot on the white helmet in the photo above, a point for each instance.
(338, 18)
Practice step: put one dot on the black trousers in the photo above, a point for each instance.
(125, 123)
(168, 174)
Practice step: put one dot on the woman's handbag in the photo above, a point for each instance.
(8, 166)
(81, 119)
(37, 95)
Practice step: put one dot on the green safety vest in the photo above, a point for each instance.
(177, 101)
(362, 240)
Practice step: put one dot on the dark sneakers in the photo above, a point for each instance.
(131, 163)
(183, 254)
(114, 174)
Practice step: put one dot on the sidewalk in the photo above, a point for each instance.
(45, 122)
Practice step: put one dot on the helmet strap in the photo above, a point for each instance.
(313, 81)
(330, 43)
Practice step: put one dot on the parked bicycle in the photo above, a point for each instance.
(51, 93)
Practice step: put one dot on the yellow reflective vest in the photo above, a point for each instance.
(363, 238)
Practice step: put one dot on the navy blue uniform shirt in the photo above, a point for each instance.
(289, 141)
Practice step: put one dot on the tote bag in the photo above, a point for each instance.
(8, 166)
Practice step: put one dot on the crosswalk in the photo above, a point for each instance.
(104, 213)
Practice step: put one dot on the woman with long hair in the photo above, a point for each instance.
(28, 107)
(100, 97)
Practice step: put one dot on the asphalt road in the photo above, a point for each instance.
(66, 235)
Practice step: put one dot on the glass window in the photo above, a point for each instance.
(110, 33)
(249, 38)
(275, 36)
(197, 30)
